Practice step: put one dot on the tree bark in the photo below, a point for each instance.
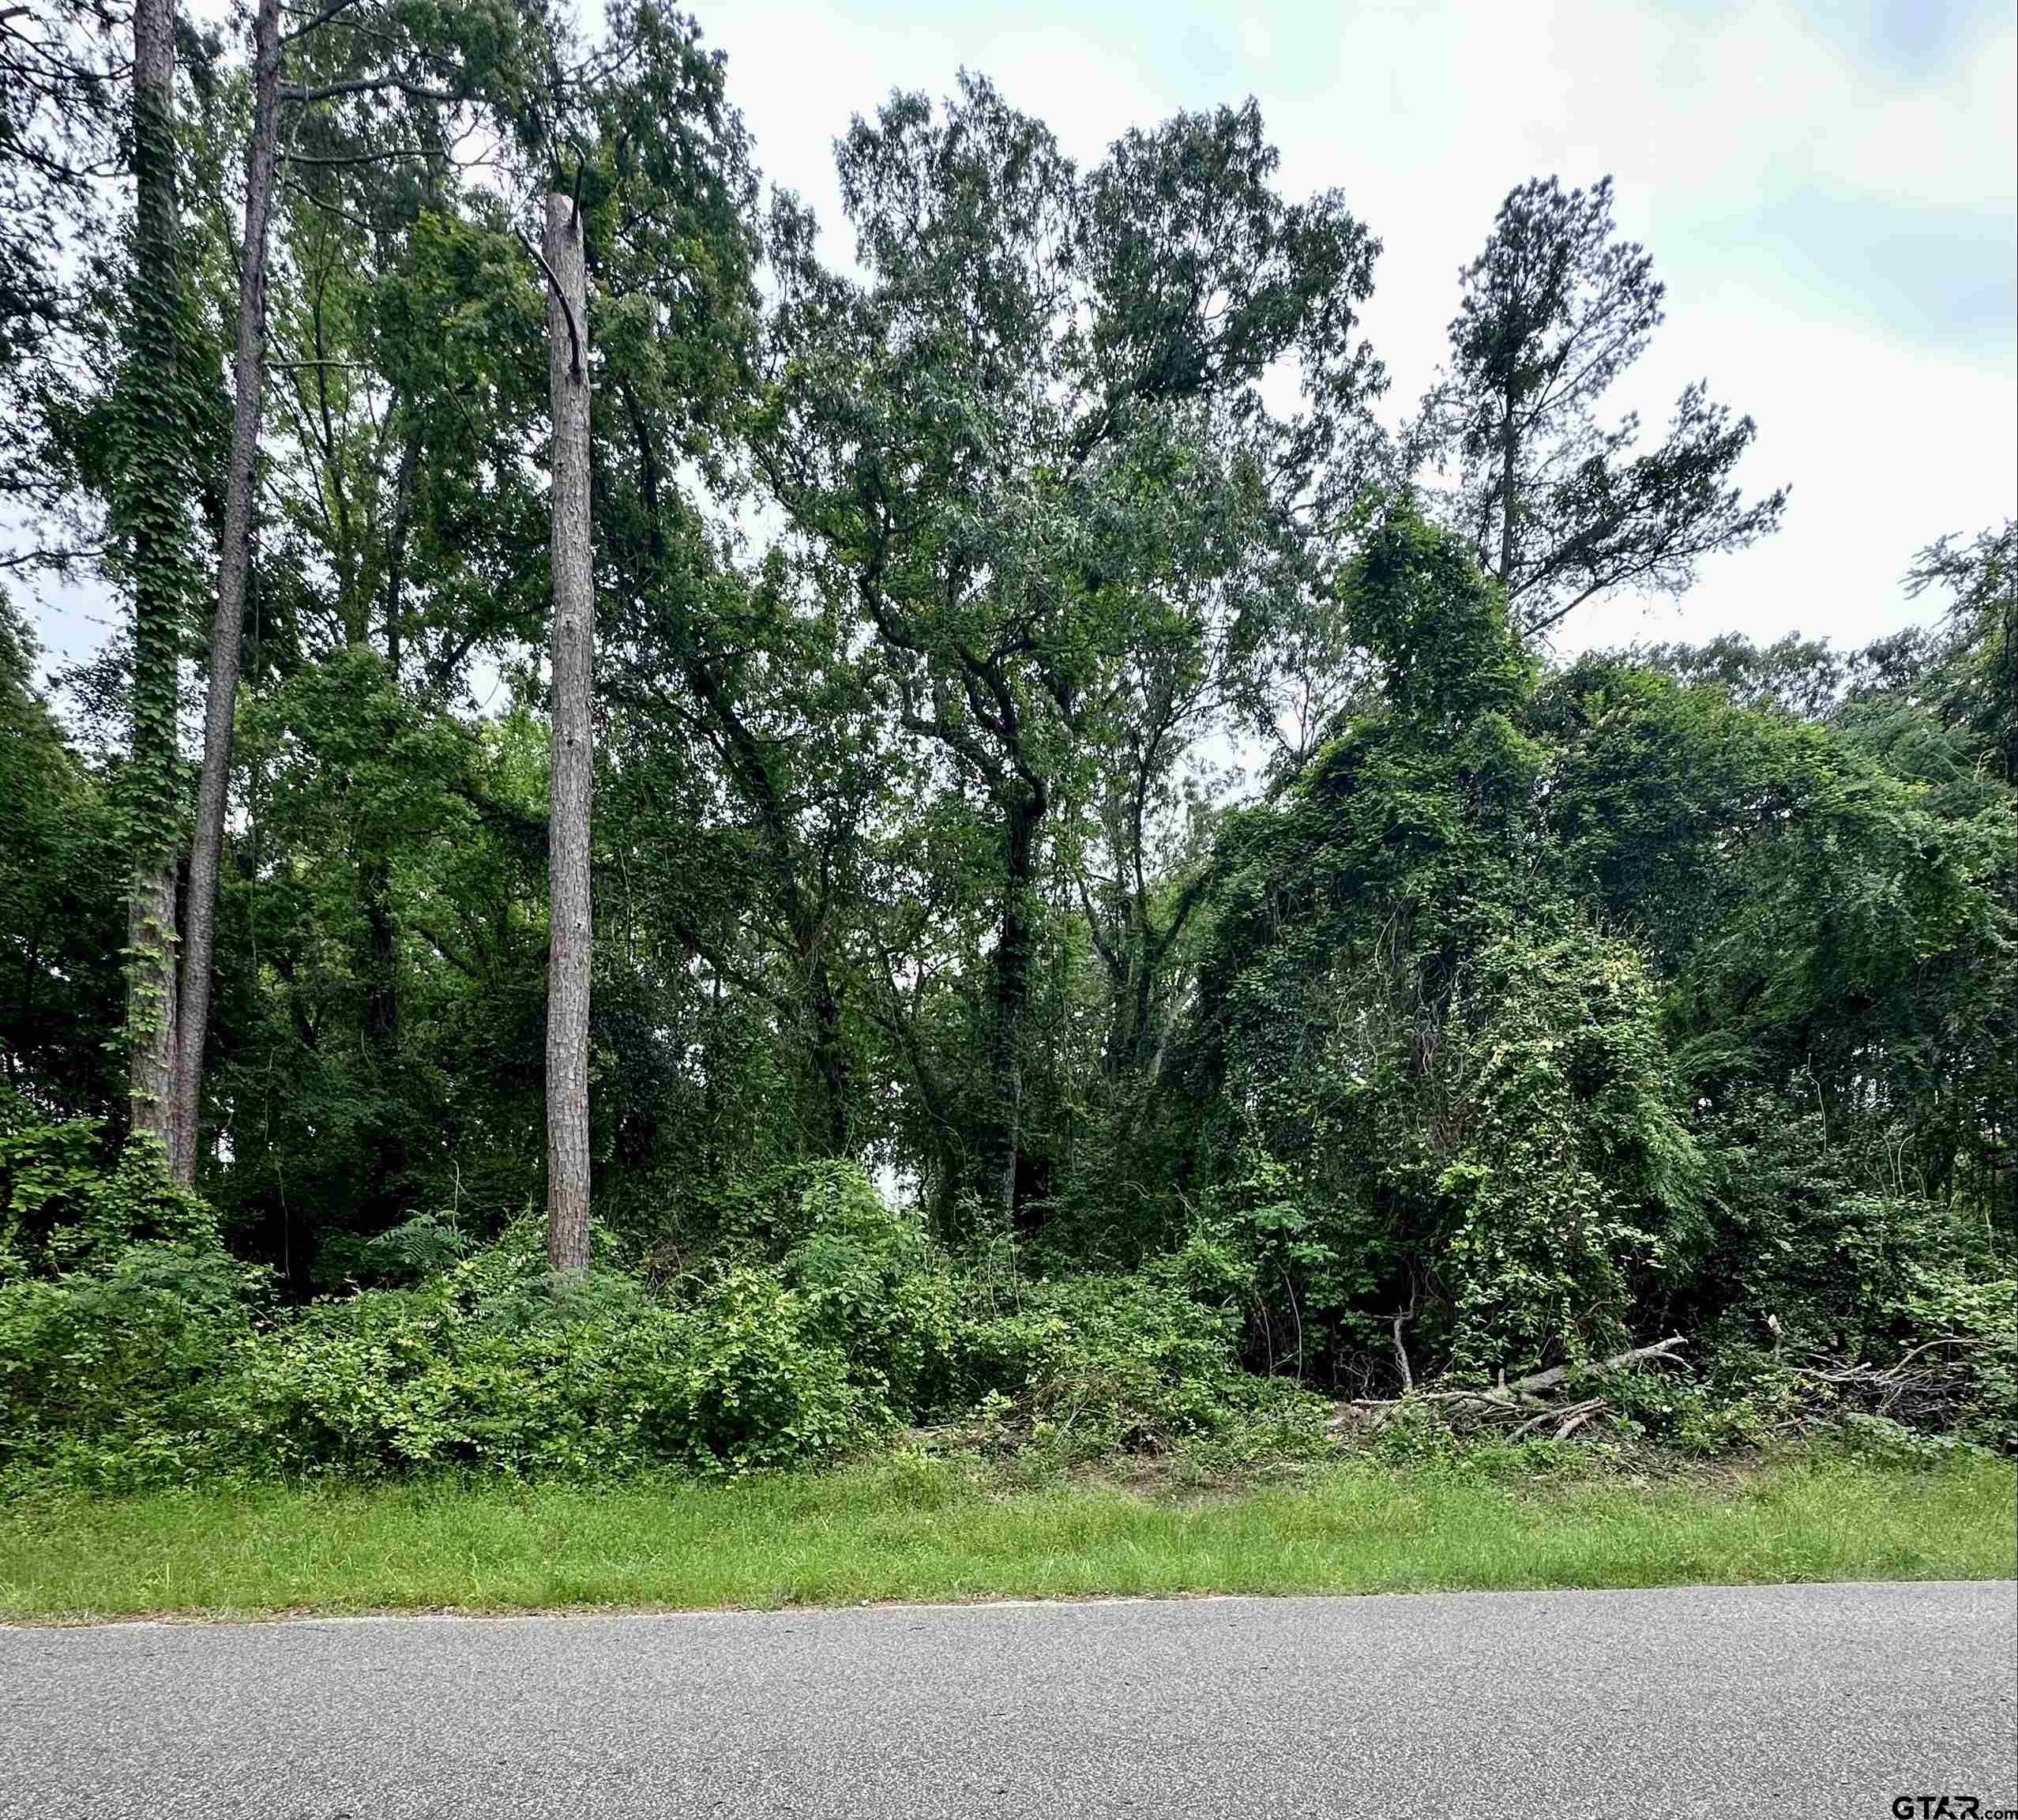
(830, 1058)
(151, 1003)
(1023, 814)
(248, 375)
(151, 510)
(1509, 454)
(1555, 1375)
(572, 764)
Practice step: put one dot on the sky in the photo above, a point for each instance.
(1830, 191)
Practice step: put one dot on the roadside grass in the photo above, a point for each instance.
(913, 1528)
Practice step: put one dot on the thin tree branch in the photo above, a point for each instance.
(366, 157)
(567, 309)
(367, 85)
(320, 20)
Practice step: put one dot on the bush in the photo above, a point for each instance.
(875, 1290)
(112, 1378)
(1100, 1364)
(1971, 1383)
(60, 1209)
(491, 1365)
(827, 1319)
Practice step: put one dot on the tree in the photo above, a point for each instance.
(911, 629)
(570, 922)
(1805, 678)
(61, 912)
(1980, 666)
(754, 763)
(1834, 929)
(1559, 507)
(149, 521)
(399, 71)
(749, 748)
(61, 73)
(398, 537)
(1416, 1086)
(969, 434)
(241, 486)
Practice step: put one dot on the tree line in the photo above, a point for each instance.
(1058, 737)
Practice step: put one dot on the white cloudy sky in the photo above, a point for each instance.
(1827, 189)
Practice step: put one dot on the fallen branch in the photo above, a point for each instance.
(1576, 1414)
(1967, 1343)
(1525, 1389)
(1556, 1374)
(1500, 1399)
(1522, 1394)
(1577, 1419)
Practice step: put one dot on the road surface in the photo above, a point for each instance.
(1798, 1701)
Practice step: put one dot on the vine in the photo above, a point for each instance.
(153, 421)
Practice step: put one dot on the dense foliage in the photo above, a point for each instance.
(1110, 923)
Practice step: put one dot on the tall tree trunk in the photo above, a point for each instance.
(248, 375)
(830, 1054)
(379, 1191)
(1141, 1014)
(151, 1001)
(395, 557)
(1025, 813)
(149, 510)
(1509, 454)
(385, 1173)
(572, 766)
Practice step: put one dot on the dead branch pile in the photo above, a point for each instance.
(1932, 1385)
(1527, 1406)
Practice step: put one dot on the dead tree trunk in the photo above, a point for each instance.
(248, 375)
(573, 766)
(148, 513)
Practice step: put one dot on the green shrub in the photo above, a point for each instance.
(491, 1365)
(1097, 1364)
(1889, 1443)
(1970, 1325)
(134, 1351)
(402, 1255)
(111, 1377)
(62, 1209)
(875, 1289)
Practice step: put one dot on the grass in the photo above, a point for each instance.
(913, 1529)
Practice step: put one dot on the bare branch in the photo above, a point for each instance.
(567, 310)
(320, 20)
(366, 157)
(368, 86)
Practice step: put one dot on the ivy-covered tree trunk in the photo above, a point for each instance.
(572, 775)
(148, 512)
(249, 374)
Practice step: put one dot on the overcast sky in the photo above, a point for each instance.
(1827, 189)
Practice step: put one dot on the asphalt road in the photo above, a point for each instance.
(1798, 1701)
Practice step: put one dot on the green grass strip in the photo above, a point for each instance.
(912, 1528)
